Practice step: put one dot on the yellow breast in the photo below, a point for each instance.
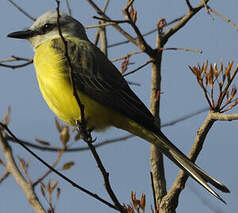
(54, 82)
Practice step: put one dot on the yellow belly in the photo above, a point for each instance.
(55, 86)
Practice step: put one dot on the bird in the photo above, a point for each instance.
(102, 90)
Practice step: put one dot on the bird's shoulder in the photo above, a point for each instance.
(97, 77)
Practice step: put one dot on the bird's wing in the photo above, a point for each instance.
(98, 78)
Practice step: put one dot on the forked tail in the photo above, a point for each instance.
(181, 160)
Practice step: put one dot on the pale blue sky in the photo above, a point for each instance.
(127, 162)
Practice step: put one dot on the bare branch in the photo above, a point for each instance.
(99, 25)
(221, 98)
(144, 34)
(128, 55)
(13, 169)
(173, 194)
(206, 7)
(189, 5)
(223, 17)
(82, 125)
(182, 48)
(4, 175)
(54, 170)
(97, 34)
(15, 58)
(140, 41)
(68, 7)
(106, 142)
(171, 199)
(182, 22)
(223, 117)
(137, 69)
(16, 66)
(101, 13)
(78, 149)
(185, 117)
(106, 178)
(111, 20)
(22, 11)
(40, 179)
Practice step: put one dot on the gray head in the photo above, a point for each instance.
(46, 27)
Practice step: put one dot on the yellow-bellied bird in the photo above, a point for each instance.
(106, 96)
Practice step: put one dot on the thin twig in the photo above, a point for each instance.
(182, 22)
(82, 124)
(185, 117)
(86, 133)
(140, 41)
(16, 66)
(15, 58)
(97, 33)
(21, 10)
(223, 17)
(55, 171)
(78, 149)
(128, 55)
(4, 175)
(178, 185)
(189, 5)
(68, 7)
(109, 141)
(111, 20)
(99, 25)
(117, 27)
(221, 98)
(182, 48)
(144, 34)
(40, 179)
(106, 178)
(140, 67)
(15, 172)
(206, 7)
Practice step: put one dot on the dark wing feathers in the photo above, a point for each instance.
(103, 83)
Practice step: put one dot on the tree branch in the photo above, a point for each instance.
(4, 175)
(40, 179)
(54, 170)
(106, 178)
(170, 201)
(117, 27)
(182, 22)
(144, 34)
(223, 17)
(189, 5)
(138, 68)
(15, 58)
(223, 117)
(22, 11)
(15, 172)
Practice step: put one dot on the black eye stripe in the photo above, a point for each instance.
(46, 28)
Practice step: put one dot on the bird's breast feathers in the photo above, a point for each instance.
(53, 74)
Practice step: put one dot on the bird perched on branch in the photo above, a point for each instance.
(105, 95)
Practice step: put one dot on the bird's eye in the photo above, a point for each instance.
(47, 27)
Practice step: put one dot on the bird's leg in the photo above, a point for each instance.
(84, 131)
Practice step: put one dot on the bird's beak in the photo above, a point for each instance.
(24, 34)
